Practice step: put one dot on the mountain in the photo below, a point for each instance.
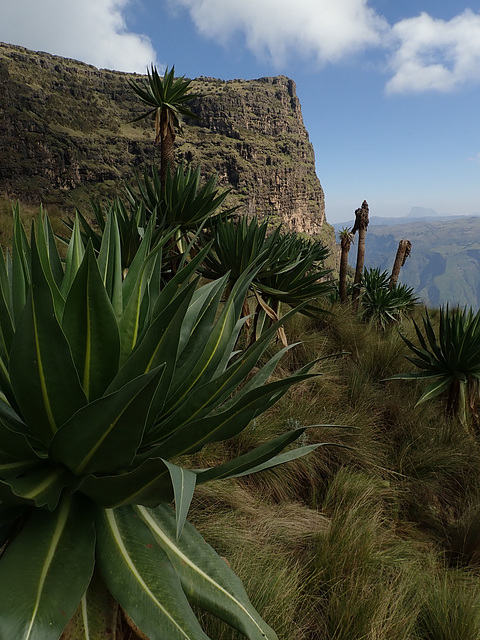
(422, 212)
(415, 215)
(444, 265)
(67, 134)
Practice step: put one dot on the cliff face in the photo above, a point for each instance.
(66, 135)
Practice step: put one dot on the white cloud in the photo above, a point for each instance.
(434, 54)
(93, 31)
(326, 30)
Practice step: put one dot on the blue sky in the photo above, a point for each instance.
(390, 90)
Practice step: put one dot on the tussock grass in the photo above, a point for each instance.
(375, 539)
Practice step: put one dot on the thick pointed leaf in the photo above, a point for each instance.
(36, 482)
(250, 460)
(134, 295)
(213, 393)
(226, 424)
(45, 571)
(183, 482)
(6, 324)
(20, 271)
(200, 361)
(52, 251)
(43, 375)
(50, 260)
(140, 576)
(91, 328)
(158, 346)
(436, 388)
(287, 456)
(110, 263)
(10, 517)
(104, 435)
(14, 442)
(206, 578)
(75, 253)
(150, 484)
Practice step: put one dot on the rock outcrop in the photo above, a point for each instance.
(67, 134)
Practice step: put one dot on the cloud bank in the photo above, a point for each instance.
(423, 53)
(434, 54)
(326, 30)
(93, 31)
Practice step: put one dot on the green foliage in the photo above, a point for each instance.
(381, 304)
(177, 212)
(290, 268)
(449, 358)
(106, 381)
(183, 203)
(167, 93)
(131, 221)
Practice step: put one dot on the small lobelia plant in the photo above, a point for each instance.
(450, 360)
(108, 383)
(383, 304)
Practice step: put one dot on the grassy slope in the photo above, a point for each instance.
(377, 541)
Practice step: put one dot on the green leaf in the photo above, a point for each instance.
(10, 517)
(13, 438)
(183, 482)
(140, 576)
(135, 314)
(91, 328)
(75, 253)
(52, 251)
(36, 482)
(20, 278)
(6, 321)
(148, 484)
(287, 456)
(220, 426)
(110, 263)
(43, 375)
(104, 435)
(159, 345)
(250, 461)
(205, 577)
(45, 570)
(50, 260)
(436, 388)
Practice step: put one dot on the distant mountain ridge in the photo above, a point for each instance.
(416, 214)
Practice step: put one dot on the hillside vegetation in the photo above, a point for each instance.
(375, 538)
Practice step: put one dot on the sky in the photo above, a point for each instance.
(389, 89)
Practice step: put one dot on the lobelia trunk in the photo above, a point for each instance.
(403, 251)
(345, 243)
(361, 224)
(167, 140)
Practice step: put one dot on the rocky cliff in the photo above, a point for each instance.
(66, 134)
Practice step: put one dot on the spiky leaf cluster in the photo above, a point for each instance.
(382, 304)
(105, 381)
(290, 267)
(449, 358)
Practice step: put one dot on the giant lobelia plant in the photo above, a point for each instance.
(107, 385)
(449, 359)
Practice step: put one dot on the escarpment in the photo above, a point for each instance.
(67, 134)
